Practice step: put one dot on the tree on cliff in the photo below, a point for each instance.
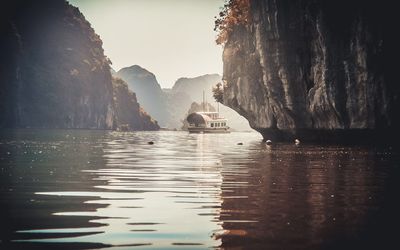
(233, 13)
(218, 93)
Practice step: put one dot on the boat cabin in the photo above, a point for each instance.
(206, 122)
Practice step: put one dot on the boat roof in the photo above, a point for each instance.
(202, 118)
(198, 118)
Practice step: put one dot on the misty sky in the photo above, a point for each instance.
(171, 38)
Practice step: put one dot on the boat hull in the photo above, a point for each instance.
(208, 130)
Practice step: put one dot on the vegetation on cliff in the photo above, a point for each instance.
(218, 93)
(233, 13)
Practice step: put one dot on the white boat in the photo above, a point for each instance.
(207, 122)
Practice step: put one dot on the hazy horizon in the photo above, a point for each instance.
(171, 39)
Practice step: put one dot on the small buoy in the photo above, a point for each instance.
(268, 142)
(297, 141)
(240, 143)
(150, 143)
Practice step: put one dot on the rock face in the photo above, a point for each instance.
(128, 113)
(53, 70)
(54, 73)
(311, 69)
(148, 91)
(195, 86)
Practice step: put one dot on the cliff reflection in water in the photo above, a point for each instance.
(91, 189)
(306, 197)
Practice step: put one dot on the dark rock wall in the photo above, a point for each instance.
(54, 72)
(128, 113)
(304, 66)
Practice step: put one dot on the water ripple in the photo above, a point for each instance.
(188, 191)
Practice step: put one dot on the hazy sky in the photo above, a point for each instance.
(171, 38)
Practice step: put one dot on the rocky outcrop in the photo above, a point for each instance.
(195, 86)
(128, 113)
(148, 91)
(310, 69)
(54, 73)
(53, 70)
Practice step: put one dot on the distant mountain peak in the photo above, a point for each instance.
(135, 69)
(196, 85)
(198, 77)
(147, 89)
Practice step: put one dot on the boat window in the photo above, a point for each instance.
(212, 125)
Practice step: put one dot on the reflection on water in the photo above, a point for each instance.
(96, 189)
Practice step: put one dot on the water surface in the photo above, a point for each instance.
(77, 189)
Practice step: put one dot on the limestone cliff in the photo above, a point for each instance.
(54, 74)
(128, 113)
(53, 70)
(148, 91)
(195, 86)
(311, 69)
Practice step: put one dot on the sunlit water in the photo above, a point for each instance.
(74, 189)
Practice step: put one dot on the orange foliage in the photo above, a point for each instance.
(234, 12)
